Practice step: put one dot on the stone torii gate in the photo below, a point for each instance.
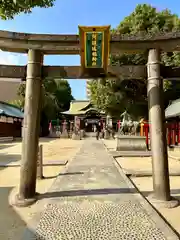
(38, 45)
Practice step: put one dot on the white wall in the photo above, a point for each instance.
(8, 89)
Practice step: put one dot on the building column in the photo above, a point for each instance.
(160, 167)
(27, 188)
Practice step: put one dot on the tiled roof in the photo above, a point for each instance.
(9, 110)
(79, 107)
(173, 110)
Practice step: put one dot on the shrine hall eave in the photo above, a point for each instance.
(69, 44)
(173, 110)
(81, 107)
(74, 72)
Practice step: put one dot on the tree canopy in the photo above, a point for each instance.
(10, 8)
(56, 97)
(116, 96)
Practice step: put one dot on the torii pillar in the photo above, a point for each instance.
(27, 187)
(158, 144)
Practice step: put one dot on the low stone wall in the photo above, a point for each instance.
(131, 143)
(6, 139)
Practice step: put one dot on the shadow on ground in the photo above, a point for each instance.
(173, 192)
(64, 174)
(44, 140)
(11, 225)
(88, 192)
(104, 191)
(5, 145)
(9, 158)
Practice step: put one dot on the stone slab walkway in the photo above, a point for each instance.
(93, 200)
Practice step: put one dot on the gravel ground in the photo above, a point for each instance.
(145, 184)
(14, 220)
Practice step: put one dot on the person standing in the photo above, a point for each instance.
(98, 130)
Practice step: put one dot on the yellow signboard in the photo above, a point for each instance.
(94, 44)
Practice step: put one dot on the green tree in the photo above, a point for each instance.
(56, 98)
(119, 95)
(10, 8)
(18, 103)
(63, 95)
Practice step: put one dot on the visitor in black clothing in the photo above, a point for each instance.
(98, 130)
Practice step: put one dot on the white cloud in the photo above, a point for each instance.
(8, 58)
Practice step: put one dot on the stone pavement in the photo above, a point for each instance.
(94, 200)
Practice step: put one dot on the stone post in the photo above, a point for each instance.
(70, 129)
(76, 131)
(27, 188)
(160, 168)
(64, 130)
(82, 130)
(40, 162)
(108, 125)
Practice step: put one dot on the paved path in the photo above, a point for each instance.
(93, 201)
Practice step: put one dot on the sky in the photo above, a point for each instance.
(65, 17)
